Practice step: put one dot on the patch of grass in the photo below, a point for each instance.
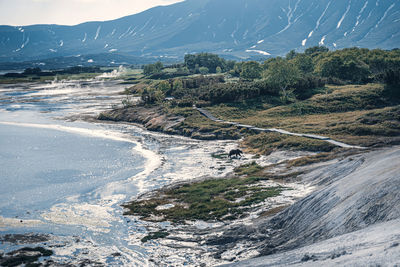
(321, 157)
(303, 161)
(248, 169)
(265, 143)
(207, 200)
(244, 109)
(273, 211)
(154, 235)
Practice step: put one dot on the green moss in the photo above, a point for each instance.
(154, 235)
(219, 155)
(27, 256)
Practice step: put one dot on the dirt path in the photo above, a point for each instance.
(322, 138)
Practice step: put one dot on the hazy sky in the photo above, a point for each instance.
(70, 12)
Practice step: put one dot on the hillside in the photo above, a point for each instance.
(235, 29)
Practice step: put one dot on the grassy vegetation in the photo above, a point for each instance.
(154, 235)
(209, 200)
(265, 143)
(248, 169)
(356, 114)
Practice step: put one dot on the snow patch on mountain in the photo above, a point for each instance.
(384, 15)
(322, 42)
(318, 23)
(344, 15)
(258, 51)
(97, 33)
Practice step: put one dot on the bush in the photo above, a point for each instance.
(151, 95)
(251, 70)
(392, 83)
(203, 70)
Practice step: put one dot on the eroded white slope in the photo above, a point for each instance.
(354, 218)
(372, 246)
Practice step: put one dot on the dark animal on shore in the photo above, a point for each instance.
(236, 153)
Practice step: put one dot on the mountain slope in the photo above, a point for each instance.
(237, 28)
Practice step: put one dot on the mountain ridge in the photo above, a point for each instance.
(234, 28)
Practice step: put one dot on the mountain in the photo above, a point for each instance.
(233, 28)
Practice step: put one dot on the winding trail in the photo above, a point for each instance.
(312, 136)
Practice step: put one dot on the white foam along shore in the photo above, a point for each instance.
(100, 214)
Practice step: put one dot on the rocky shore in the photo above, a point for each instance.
(152, 118)
(155, 118)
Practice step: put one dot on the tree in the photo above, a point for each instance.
(291, 55)
(236, 70)
(330, 66)
(152, 68)
(281, 74)
(316, 49)
(355, 70)
(304, 63)
(190, 61)
(343, 66)
(251, 70)
(207, 60)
